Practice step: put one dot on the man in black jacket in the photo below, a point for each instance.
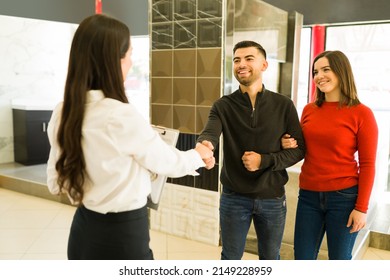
(253, 120)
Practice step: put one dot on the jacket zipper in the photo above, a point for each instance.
(253, 124)
(253, 114)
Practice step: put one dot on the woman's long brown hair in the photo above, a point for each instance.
(98, 45)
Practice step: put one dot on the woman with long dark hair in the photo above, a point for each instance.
(103, 151)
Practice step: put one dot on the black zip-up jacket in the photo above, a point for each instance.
(258, 129)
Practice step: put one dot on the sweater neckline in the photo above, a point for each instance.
(331, 104)
(258, 93)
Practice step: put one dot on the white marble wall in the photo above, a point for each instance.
(189, 213)
(33, 64)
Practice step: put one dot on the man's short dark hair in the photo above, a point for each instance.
(248, 44)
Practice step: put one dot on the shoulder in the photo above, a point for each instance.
(364, 113)
(277, 101)
(112, 114)
(363, 108)
(56, 114)
(124, 119)
(277, 96)
(358, 112)
(58, 107)
(232, 97)
(310, 106)
(123, 111)
(364, 117)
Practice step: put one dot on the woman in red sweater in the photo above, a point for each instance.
(338, 171)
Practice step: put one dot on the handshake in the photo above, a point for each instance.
(205, 150)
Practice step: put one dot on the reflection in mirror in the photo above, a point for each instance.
(263, 23)
(257, 21)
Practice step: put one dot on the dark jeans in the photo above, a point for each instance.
(236, 215)
(113, 236)
(320, 212)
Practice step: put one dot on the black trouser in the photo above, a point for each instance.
(111, 236)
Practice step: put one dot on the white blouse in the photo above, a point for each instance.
(120, 150)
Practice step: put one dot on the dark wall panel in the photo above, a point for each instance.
(133, 13)
(340, 11)
(72, 11)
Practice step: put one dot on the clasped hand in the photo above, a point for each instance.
(205, 149)
(251, 161)
(288, 142)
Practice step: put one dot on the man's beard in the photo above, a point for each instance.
(244, 82)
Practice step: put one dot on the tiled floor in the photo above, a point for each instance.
(35, 228)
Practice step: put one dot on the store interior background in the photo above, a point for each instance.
(34, 44)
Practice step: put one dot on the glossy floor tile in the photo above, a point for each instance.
(33, 228)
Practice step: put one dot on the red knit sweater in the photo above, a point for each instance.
(333, 135)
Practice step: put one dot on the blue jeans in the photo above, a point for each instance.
(236, 215)
(324, 212)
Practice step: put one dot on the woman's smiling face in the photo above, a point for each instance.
(325, 79)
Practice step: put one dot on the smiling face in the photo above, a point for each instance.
(248, 64)
(326, 80)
